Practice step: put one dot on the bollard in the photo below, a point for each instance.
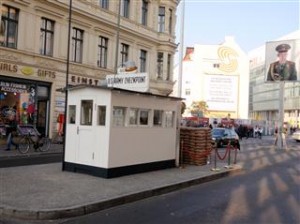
(228, 166)
(215, 162)
(235, 149)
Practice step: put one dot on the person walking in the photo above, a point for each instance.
(11, 130)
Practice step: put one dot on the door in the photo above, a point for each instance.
(42, 116)
(86, 132)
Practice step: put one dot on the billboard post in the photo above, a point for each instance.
(281, 135)
(282, 63)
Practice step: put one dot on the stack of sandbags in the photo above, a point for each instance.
(195, 145)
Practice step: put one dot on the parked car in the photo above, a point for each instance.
(296, 135)
(222, 136)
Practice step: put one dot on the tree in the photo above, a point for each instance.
(199, 108)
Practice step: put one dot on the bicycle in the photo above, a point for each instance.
(28, 135)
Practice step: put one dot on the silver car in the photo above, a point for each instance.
(296, 135)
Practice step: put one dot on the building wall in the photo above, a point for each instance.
(94, 21)
(218, 75)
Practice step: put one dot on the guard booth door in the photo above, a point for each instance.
(85, 132)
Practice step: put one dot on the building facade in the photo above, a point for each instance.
(104, 35)
(264, 96)
(218, 75)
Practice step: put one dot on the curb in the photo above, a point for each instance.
(30, 159)
(102, 205)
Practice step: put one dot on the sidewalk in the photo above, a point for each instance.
(46, 192)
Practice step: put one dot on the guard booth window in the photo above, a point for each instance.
(72, 114)
(101, 115)
(86, 112)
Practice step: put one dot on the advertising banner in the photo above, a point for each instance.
(221, 92)
(282, 61)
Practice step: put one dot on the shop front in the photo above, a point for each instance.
(22, 102)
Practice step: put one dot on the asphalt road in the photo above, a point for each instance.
(266, 192)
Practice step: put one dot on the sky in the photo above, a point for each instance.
(252, 23)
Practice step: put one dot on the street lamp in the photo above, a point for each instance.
(67, 81)
(118, 37)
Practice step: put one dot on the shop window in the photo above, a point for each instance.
(133, 116)
(19, 101)
(169, 119)
(157, 117)
(119, 116)
(72, 114)
(86, 112)
(144, 117)
(101, 115)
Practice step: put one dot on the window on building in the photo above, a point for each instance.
(161, 19)
(102, 52)
(86, 116)
(170, 21)
(119, 116)
(169, 67)
(9, 26)
(124, 53)
(77, 45)
(143, 60)
(144, 12)
(169, 119)
(133, 116)
(72, 114)
(101, 115)
(160, 64)
(104, 4)
(46, 37)
(125, 5)
(157, 117)
(144, 117)
(187, 92)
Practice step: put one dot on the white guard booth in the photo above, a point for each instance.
(114, 132)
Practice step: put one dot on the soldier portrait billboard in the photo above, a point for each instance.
(282, 61)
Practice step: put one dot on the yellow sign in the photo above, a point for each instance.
(228, 59)
(27, 71)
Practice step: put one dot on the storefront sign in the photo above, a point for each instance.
(46, 73)
(83, 80)
(13, 87)
(26, 70)
(136, 82)
(6, 67)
